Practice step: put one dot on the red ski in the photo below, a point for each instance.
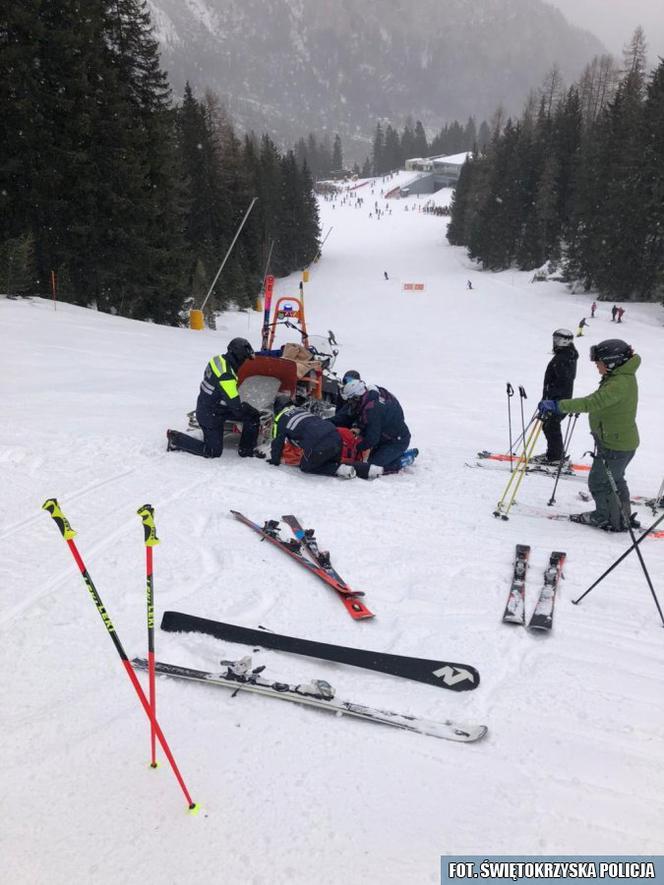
(350, 598)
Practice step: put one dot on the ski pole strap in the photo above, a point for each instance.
(522, 392)
(52, 507)
(146, 512)
(510, 389)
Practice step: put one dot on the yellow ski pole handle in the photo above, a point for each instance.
(146, 512)
(52, 507)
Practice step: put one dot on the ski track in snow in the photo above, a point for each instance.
(572, 762)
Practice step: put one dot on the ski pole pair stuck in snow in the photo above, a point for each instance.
(146, 514)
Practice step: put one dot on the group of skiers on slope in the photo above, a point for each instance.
(373, 413)
(612, 415)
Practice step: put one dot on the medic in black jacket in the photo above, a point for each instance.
(383, 431)
(318, 439)
(558, 384)
(218, 402)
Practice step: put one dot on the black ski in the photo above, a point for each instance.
(542, 617)
(445, 674)
(515, 610)
(238, 676)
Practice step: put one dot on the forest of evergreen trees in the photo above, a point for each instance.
(130, 199)
(391, 148)
(577, 181)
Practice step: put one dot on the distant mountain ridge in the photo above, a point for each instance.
(295, 66)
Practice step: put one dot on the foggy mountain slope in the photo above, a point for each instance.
(293, 67)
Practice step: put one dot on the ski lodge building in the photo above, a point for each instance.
(438, 172)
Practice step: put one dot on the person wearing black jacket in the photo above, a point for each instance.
(558, 384)
(384, 435)
(318, 439)
(218, 402)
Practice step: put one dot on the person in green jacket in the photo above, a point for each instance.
(612, 416)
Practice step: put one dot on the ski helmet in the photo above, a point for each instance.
(240, 350)
(281, 402)
(350, 375)
(562, 338)
(354, 389)
(613, 352)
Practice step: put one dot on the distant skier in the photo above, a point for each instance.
(218, 402)
(469, 284)
(612, 414)
(582, 326)
(614, 311)
(384, 435)
(318, 439)
(621, 314)
(385, 275)
(593, 308)
(558, 384)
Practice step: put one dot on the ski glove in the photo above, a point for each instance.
(548, 407)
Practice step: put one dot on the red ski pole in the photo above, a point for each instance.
(146, 512)
(53, 508)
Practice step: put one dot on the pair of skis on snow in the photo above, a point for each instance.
(515, 610)
(241, 675)
(316, 561)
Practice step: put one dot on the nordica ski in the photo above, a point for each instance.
(445, 674)
(239, 676)
(270, 532)
(515, 610)
(542, 617)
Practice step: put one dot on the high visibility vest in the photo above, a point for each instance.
(225, 376)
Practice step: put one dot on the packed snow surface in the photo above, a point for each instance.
(572, 762)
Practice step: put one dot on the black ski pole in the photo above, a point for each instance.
(510, 394)
(621, 509)
(522, 396)
(566, 444)
(620, 559)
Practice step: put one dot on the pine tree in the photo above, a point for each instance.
(378, 151)
(337, 155)
(652, 177)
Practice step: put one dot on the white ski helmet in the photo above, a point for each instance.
(353, 389)
(562, 338)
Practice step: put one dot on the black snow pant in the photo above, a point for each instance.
(388, 454)
(554, 437)
(323, 458)
(212, 444)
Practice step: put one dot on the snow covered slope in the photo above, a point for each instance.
(572, 763)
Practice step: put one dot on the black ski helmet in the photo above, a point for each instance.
(613, 352)
(350, 375)
(281, 402)
(240, 350)
(562, 338)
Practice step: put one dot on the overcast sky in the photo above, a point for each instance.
(613, 21)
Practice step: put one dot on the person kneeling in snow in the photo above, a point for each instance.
(318, 439)
(384, 435)
(218, 402)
